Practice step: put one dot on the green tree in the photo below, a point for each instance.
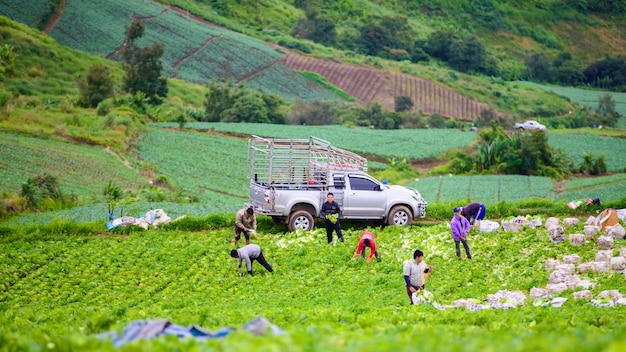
(436, 121)
(438, 44)
(316, 27)
(97, 86)
(607, 115)
(467, 55)
(218, 99)
(373, 38)
(143, 66)
(247, 107)
(323, 31)
(374, 114)
(403, 103)
(399, 32)
(538, 68)
(485, 117)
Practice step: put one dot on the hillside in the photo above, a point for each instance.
(214, 53)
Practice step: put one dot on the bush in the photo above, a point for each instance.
(97, 86)
(40, 188)
(436, 121)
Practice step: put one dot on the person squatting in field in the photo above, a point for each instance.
(367, 240)
(415, 273)
(474, 211)
(331, 212)
(250, 253)
(245, 221)
(460, 228)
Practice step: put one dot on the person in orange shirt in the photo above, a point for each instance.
(367, 240)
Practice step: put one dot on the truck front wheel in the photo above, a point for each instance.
(300, 219)
(400, 215)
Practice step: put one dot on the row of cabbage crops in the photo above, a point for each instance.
(488, 189)
(199, 162)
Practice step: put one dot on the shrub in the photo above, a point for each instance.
(97, 86)
(40, 188)
(436, 121)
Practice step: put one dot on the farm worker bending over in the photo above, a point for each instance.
(460, 227)
(367, 240)
(245, 221)
(331, 212)
(415, 273)
(250, 253)
(474, 211)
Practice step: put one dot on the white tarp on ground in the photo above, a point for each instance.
(154, 217)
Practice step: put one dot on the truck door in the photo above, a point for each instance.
(364, 198)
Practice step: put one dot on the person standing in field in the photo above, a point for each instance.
(367, 240)
(474, 211)
(415, 273)
(460, 228)
(250, 253)
(331, 213)
(245, 222)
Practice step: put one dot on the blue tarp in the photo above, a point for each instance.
(149, 329)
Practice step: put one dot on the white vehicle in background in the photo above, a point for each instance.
(530, 125)
(290, 178)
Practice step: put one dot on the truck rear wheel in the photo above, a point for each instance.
(400, 215)
(300, 219)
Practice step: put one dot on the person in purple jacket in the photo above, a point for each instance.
(460, 227)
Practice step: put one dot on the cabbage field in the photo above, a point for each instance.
(491, 189)
(58, 290)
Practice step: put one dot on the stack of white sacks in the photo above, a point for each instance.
(563, 274)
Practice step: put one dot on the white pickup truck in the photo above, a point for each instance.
(290, 178)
